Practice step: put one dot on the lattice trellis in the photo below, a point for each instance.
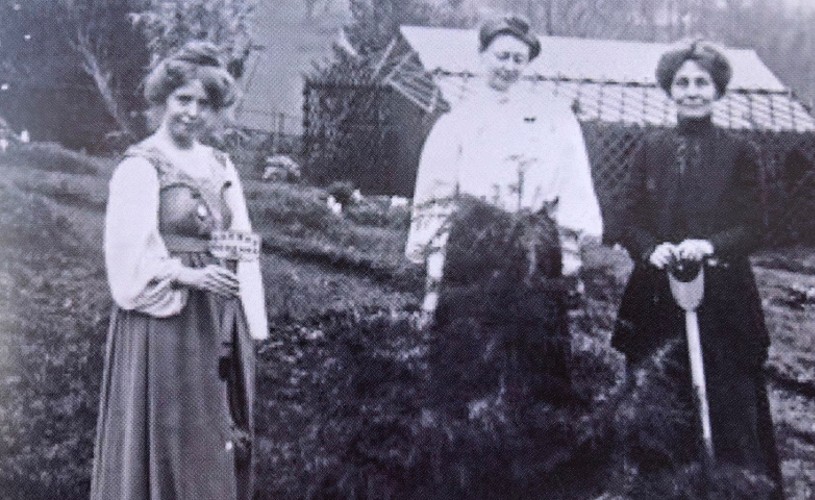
(610, 149)
(788, 161)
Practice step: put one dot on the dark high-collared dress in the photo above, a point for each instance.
(699, 181)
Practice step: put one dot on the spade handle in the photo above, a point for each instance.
(689, 295)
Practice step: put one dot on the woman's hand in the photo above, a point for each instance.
(571, 264)
(694, 250)
(663, 254)
(211, 278)
(435, 266)
(427, 313)
(435, 271)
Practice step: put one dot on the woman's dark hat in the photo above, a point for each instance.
(509, 25)
(706, 54)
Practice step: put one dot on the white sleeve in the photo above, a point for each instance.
(139, 268)
(252, 293)
(436, 182)
(578, 208)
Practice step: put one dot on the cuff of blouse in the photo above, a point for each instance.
(174, 269)
(646, 254)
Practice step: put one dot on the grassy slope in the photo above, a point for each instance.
(53, 311)
(59, 292)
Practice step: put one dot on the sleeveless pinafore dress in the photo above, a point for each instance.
(175, 416)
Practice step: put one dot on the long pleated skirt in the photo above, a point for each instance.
(175, 417)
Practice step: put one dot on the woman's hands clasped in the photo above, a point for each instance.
(694, 250)
(212, 278)
(691, 249)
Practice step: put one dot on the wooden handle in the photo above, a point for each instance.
(697, 369)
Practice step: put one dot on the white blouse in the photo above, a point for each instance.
(509, 150)
(141, 273)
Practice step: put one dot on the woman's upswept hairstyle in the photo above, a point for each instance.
(196, 60)
(508, 25)
(705, 54)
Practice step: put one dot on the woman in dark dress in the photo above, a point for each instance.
(694, 194)
(175, 419)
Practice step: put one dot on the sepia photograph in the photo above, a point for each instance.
(407, 249)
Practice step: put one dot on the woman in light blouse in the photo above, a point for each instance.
(516, 152)
(176, 406)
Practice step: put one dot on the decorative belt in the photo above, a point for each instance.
(178, 243)
(226, 245)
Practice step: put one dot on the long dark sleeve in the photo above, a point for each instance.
(637, 238)
(745, 206)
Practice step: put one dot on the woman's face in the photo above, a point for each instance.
(504, 60)
(188, 112)
(693, 91)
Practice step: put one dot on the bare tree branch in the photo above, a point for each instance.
(102, 78)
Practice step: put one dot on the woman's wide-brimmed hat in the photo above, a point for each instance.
(705, 54)
(509, 25)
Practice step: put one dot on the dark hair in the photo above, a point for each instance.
(196, 60)
(705, 54)
(508, 25)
